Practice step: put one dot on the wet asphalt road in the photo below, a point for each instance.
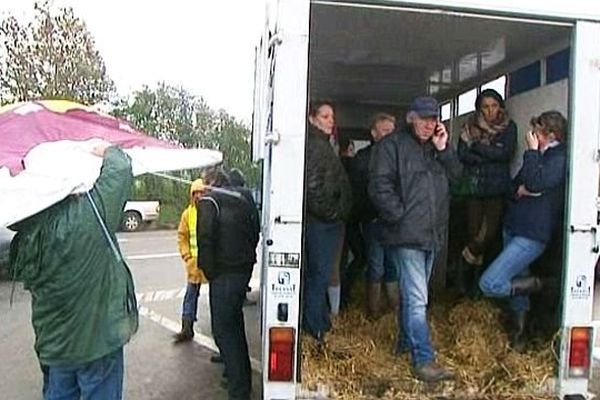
(155, 368)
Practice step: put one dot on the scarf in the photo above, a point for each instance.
(477, 129)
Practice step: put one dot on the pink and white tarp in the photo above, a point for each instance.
(45, 154)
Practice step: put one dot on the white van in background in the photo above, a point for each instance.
(138, 213)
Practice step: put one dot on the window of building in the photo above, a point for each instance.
(557, 66)
(524, 79)
(446, 111)
(466, 101)
(498, 84)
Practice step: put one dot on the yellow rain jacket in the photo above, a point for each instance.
(186, 237)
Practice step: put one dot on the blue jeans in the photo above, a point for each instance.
(321, 243)
(227, 294)
(514, 260)
(190, 301)
(414, 268)
(97, 380)
(379, 268)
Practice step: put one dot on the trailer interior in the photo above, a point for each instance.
(367, 58)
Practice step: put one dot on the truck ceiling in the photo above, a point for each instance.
(385, 56)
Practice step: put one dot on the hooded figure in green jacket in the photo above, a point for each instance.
(82, 296)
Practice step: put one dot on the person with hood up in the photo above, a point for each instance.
(188, 248)
(83, 304)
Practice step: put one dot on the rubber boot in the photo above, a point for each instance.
(373, 297)
(187, 331)
(392, 292)
(464, 276)
(525, 286)
(517, 333)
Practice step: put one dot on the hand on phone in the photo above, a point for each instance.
(440, 137)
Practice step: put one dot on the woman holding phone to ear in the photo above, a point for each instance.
(485, 148)
(532, 217)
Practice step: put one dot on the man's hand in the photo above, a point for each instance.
(440, 137)
(523, 192)
(532, 140)
(100, 148)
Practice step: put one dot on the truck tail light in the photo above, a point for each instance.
(158, 209)
(281, 354)
(580, 350)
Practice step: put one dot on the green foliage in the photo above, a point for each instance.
(174, 114)
(52, 57)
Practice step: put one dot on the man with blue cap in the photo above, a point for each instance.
(409, 178)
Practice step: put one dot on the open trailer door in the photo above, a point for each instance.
(583, 239)
(278, 139)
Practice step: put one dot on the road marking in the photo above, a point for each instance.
(151, 256)
(170, 294)
(200, 338)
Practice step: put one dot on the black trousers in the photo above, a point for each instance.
(227, 294)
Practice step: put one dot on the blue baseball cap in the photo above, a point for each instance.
(425, 106)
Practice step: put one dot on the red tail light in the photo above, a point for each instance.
(281, 354)
(580, 349)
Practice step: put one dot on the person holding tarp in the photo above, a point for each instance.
(83, 301)
(532, 218)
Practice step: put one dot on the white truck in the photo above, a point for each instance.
(376, 55)
(136, 213)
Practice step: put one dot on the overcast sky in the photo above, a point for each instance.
(206, 46)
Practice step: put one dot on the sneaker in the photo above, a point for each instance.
(431, 372)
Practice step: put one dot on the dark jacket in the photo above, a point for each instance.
(227, 232)
(408, 184)
(489, 164)
(328, 193)
(537, 217)
(357, 167)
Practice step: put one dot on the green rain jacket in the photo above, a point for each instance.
(82, 294)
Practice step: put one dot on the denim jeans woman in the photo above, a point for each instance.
(533, 215)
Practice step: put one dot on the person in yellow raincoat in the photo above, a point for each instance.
(188, 248)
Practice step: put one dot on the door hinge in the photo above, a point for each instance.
(593, 229)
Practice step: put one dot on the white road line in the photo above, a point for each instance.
(170, 294)
(200, 338)
(151, 256)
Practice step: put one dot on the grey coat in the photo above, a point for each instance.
(409, 186)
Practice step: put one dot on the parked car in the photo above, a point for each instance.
(136, 213)
(6, 236)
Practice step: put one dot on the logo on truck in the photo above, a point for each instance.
(581, 290)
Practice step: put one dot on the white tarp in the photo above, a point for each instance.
(54, 170)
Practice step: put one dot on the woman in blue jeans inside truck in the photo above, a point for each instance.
(533, 215)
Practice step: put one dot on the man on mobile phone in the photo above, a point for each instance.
(409, 185)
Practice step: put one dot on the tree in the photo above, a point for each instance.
(52, 57)
(174, 114)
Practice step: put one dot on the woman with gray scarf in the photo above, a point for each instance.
(485, 147)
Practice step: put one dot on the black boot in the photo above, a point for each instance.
(187, 332)
(525, 286)
(464, 276)
(517, 333)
